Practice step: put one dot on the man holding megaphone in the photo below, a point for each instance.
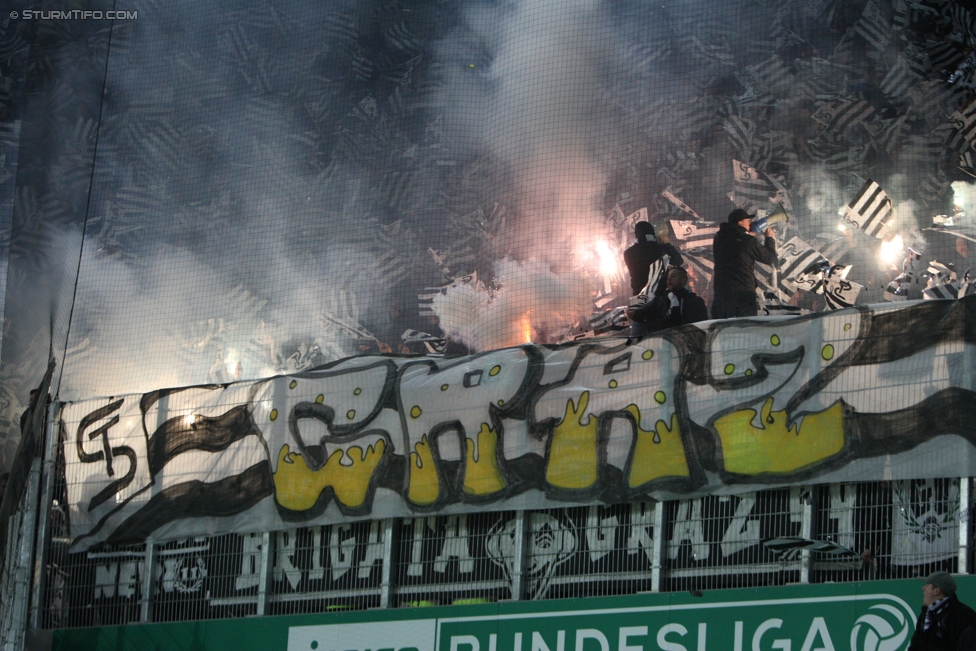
(736, 251)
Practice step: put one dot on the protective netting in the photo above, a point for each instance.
(207, 192)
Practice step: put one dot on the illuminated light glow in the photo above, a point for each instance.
(892, 250)
(189, 419)
(841, 228)
(526, 329)
(608, 259)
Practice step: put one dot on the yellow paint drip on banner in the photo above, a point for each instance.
(657, 453)
(572, 459)
(481, 473)
(424, 485)
(772, 447)
(297, 487)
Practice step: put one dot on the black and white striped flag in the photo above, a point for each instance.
(843, 115)
(655, 276)
(943, 56)
(945, 291)
(900, 78)
(942, 281)
(700, 260)
(134, 464)
(800, 266)
(615, 319)
(693, 235)
(847, 158)
(873, 26)
(932, 96)
(751, 191)
(436, 346)
(771, 73)
(740, 131)
(951, 137)
(790, 548)
(922, 151)
(964, 120)
(887, 134)
(870, 210)
(897, 289)
(681, 205)
(426, 298)
(932, 187)
(773, 305)
(965, 286)
(840, 293)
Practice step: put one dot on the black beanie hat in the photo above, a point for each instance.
(738, 215)
(642, 229)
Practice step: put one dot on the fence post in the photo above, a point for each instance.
(523, 525)
(148, 571)
(264, 573)
(806, 531)
(964, 500)
(657, 556)
(386, 581)
(42, 541)
(21, 540)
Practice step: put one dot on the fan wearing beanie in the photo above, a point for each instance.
(736, 252)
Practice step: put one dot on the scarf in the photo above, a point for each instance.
(935, 615)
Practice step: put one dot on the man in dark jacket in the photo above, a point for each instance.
(680, 306)
(646, 252)
(736, 252)
(943, 617)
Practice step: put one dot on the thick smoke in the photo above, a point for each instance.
(274, 186)
(530, 303)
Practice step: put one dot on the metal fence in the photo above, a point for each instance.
(802, 534)
(18, 561)
(835, 532)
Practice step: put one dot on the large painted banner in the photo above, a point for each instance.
(875, 616)
(871, 393)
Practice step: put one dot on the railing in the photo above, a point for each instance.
(18, 561)
(823, 533)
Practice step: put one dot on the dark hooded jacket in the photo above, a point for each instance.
(641, 256)
(736, 253)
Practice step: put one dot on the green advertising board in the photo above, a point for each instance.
(873, 616)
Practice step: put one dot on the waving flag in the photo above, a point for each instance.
(680, 204)
(693, 235)
(870, 210)
(197, 453)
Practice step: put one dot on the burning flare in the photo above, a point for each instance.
(892, 250)
(608, 259)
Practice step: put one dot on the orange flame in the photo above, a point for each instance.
(526, 328)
